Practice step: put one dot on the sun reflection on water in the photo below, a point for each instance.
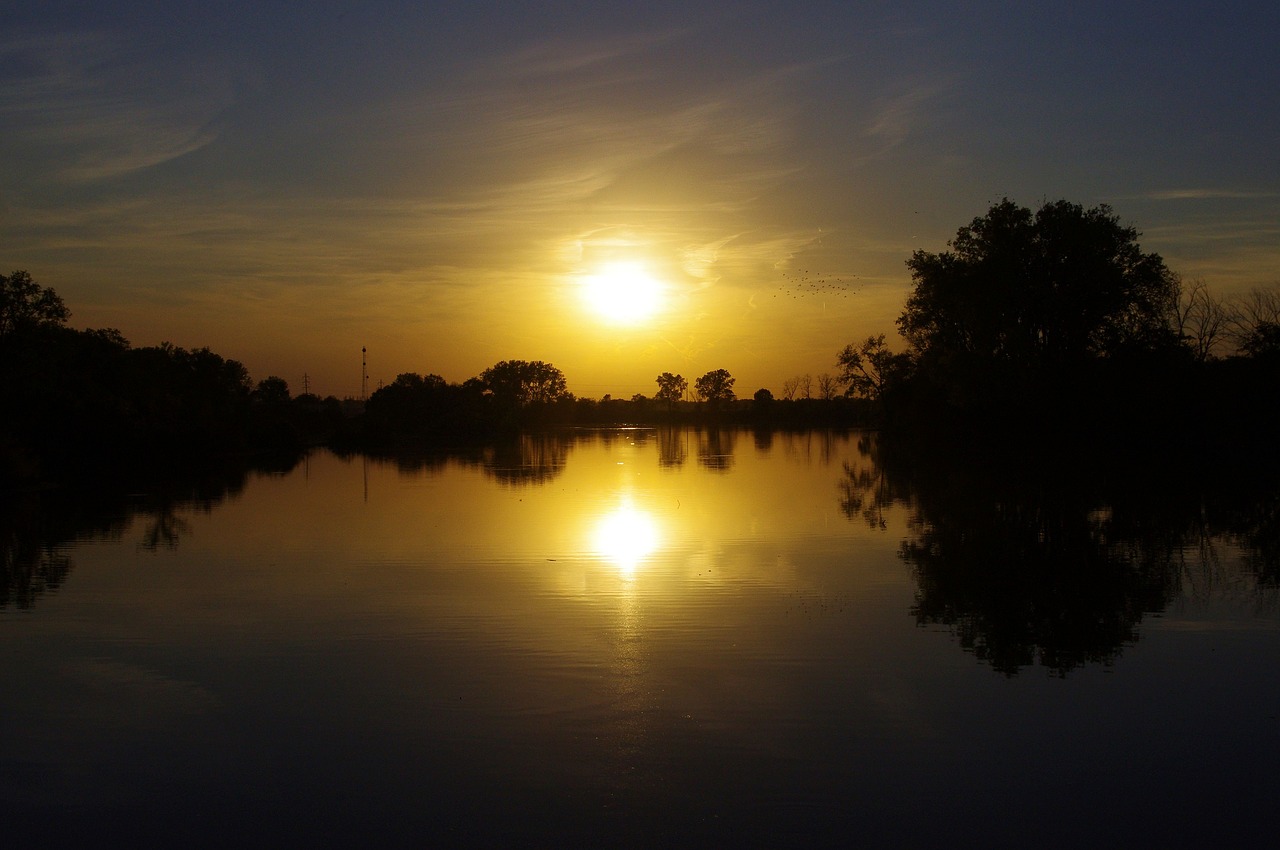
(626, 537)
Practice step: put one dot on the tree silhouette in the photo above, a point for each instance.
(804, 385)
(1021, 292)
(868, 368)
(671, 388)
(414, 407)
(1254, 323)
(1200, 319)
(272, 390)
(25, 305)
(525, 382)
(715, 386)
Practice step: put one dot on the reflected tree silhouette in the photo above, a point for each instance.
(673, 450)
(866, 489)
(532, 458)
(763, 438)
(164, 529)
(529, 459)
(1036, 562)
(432, 463)
(29, 566)
(1036, 577)
(1264, 547)
(807, 444)
(36, 528)
(1253, 522)
(715, 448)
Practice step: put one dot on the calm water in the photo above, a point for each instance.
(641, 638)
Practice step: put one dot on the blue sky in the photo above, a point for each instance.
(289, 182)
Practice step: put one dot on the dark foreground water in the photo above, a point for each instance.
(641, 638)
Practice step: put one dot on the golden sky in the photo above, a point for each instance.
(289, 184)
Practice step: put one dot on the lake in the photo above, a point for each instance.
(637, 637)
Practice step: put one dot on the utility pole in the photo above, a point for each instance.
(364, 373)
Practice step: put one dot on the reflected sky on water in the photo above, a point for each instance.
(639, 638)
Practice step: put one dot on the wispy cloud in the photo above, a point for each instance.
(1204, 194)
(897, 116)
(81, 107)
(558, 57)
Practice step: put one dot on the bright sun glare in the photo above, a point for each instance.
(626, 536)
(623, 293)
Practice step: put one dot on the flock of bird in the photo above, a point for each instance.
(803, 282)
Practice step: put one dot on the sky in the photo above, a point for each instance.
(440, 183)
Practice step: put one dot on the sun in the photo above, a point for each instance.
(623, 293)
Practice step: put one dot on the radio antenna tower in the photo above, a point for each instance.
(364, 373)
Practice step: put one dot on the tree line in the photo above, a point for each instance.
(83, 401)
(79, 401)
(514, 395)
(1029, 323)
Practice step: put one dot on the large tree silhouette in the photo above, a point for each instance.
(1020, 296)
(715, 386)
(525, 381)
(671, 388)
